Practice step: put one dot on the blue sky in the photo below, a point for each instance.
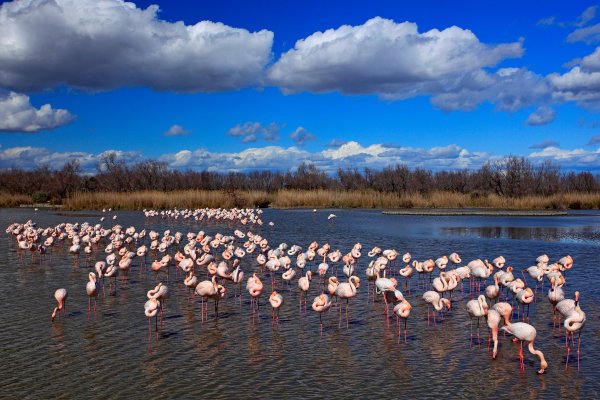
(430, 84)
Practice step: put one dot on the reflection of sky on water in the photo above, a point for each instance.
(580, 235)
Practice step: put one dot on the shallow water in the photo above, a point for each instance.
(243, 356)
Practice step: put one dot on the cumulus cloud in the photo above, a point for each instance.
(28, 157)
(300, 136)
(543, 115)
(176, 130)
(571, 159)
(349, 155)
(578, 85)
(336, 143)
(393, 60)
(18, 115)
(545, 143)
(508, 89)
(253, 131)
(594, 140)
(106, 44)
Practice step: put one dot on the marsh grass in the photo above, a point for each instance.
(14, 200)
(317, 199)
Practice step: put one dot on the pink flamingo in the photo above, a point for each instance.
(525, 332)
(347, 290)
(321, 304)
(493, 321)
(276, 301)
(477, 308)
(434, 298)
(92, 291)
(304, 285)
(61, 297)
(573, 323)
(402, 310)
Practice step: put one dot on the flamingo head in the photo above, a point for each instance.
(576, 297)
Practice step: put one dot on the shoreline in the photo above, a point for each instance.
(477, 212)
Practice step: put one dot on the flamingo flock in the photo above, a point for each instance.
(230, 259)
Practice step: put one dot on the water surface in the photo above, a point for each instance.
(240, 356)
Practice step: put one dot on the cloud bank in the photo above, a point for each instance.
(18, 115)
(105, 44)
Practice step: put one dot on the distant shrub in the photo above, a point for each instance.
(40, 197)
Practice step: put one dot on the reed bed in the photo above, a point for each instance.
(14, 200)
(323, 199)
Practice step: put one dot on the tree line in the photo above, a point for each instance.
(512, 176)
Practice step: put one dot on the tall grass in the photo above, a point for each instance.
(13, 200)
(326, 199)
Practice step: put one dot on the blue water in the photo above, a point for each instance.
(240, 355)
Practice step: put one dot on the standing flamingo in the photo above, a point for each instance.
(434, 298)
(92, 291)
(493, 321)
(525, 332)
(304, 285)
(61, 297)
(347, 290)
(477, 308)
(402, 310)
(276, 301)
(321, 304)
(574, 323)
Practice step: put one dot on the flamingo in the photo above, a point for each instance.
(320, 304)
(255, 287)
(191, 281)
(493, 291)
(525, 332)
(525, 298)
(402, 310)
(433, 298)
(347, 290)
(574, 323)
(61, 297)
(477, 308)
(276, 301)
(493, 320)
(92, 291)
(383, 285)
(152, 309)
(555, 295)
(304, 285)
(206, 289)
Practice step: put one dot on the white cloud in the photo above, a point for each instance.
(589, 34)
(300, 136)
(176, 130)
(28, 157)
(350, 155)
(18, 115)
(571, 159)
(508, 89)
(577, 85)
(543, 115)
(390, 59)
(104, 44)
(253, 131)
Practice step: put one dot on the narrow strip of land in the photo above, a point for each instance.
(466, 212)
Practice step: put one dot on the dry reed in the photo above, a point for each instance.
(326, 199)
(13, 200)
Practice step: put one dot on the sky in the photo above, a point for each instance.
(252, 85)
